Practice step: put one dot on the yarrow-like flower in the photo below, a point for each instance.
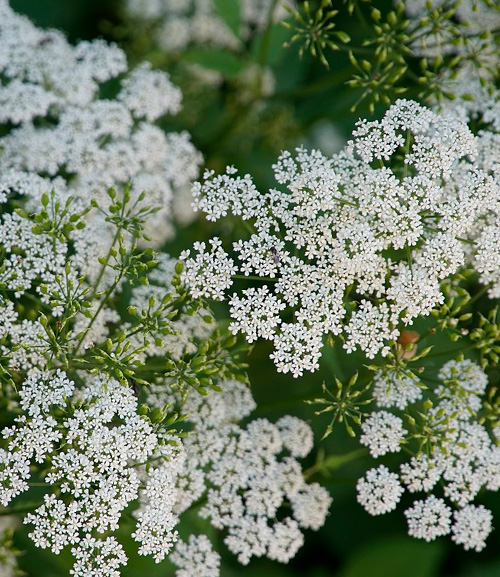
(455, 454)
(94, 460)
(243, 477)
(380, 491)
(405, 183)
(85, 143)
(471, 527)
(429, 519)
(383, 433)
(393, 389)
(196, 558)
(99, 451)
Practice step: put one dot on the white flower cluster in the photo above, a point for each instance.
(244, 481)
(380, 491)
(35, 263)
(477, 101)
(29, 258)
(461, 461)
(484, 110)
(196, 558)
(96, 457)
(197, 22)
(395, 389)
(357, 244)
(464, 384)
(86, 143)
(383, 433)
(213, 269)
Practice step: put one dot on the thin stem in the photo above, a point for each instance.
(264, 47)
(479, 294)
(340, 461)
(109, 292)
(450, 351)
(105, 264)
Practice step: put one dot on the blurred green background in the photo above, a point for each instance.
(310, 105)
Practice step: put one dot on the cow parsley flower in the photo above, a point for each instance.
(85, 143)
(380, 491)
(156, 521)
(209, 273)
(464, 384)
(180, 24)
(196, 558)
(451, 450)
(243, 478)
(395, 389)
(421, 473)
(487, 259)
(471, 527)
(405, 185)
(429, 519)
(99, 557)
(256, 314)
(297, 435)
(383, 433)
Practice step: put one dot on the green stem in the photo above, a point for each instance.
(105, 264)
(334, 462)
(450, 352)
(479, 294)
(264, 47)
(109, 292)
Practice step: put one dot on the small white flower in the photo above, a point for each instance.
(471, 527)
(383, 433)
(379, 491)
(195, 558)
(428, 519)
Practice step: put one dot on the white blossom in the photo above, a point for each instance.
(464, 384)
(87, 144)
(209, 273)
(383, 433)
(428, 519)
(421, 473)
(326, 233)
(196, 22)
(196, 558)
(245, 480)
(394, 389)
(98, 557)
(297, 435)
(380, 491)
(471, 527)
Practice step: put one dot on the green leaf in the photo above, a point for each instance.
(222, 61)
(395, 557)
(229, 11)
